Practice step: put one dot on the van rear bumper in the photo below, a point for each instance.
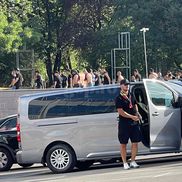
(28, 157)
(19, 157)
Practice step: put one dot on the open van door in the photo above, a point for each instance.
(165, 120)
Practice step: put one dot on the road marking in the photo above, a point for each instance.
(147, 170)
(24, 171)
(45, 179)
(160, 175)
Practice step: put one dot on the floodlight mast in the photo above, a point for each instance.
(145, 49)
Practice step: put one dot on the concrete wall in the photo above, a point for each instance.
(9, 98)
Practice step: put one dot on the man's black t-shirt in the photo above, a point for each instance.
(38, 81)
(106, 81)
(64, 80)
(127, 104)
(17, 84)
(127, 128)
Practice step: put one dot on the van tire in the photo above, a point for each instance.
(6, 160)
(60, 158)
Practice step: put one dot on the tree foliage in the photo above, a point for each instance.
(164, 37)
(84, 32)
(13, 32)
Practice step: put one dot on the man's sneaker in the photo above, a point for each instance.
(133, 164)
(126, 166)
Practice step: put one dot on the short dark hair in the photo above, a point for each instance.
(151, 70)
(124, 82)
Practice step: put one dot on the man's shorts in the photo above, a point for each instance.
(128, 130)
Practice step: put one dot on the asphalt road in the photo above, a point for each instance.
(160, 169)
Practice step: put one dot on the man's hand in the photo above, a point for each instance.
(135, 118)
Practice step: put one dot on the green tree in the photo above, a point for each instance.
(13, 15)
(95, 38)
(55, 26)
(163, 38)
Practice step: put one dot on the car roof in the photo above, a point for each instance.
(2, 120)
(10, 116)
(178, 82)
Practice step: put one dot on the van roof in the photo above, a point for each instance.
(73, 90)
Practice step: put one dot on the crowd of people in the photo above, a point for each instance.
(64, 79)
(87, 78)
(75, 79)
(168, 76)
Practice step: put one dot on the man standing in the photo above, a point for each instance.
(75, 79)
(106, 78)
(152, 74)
(88, 77)
(38, 80)
(19, 79)
(128, 127)
(57, 80)
(136, 76)
(119, 77)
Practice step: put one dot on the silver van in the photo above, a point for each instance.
(75, 127)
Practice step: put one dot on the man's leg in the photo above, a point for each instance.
(134, 150)
(123, 152)
(123, 156)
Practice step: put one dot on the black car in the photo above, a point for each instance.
(8, 143)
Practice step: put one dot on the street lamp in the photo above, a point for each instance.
(145, 51)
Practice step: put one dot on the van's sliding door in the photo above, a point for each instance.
(165, 120)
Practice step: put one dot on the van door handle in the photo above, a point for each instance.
(155, 114)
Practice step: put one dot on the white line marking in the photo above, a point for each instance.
(164, 174)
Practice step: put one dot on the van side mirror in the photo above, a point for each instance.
(174, 103)
(177, 102)
(180, 101)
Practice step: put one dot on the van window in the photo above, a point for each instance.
(159, 94)
(73, 104)
(10, 124)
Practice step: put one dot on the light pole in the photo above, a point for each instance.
(145, 50)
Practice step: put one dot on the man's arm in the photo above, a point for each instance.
(138, 114)
(127, 115)
(16, 79)
(55, 83)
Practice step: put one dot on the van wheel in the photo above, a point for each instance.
(60, 159)
(6, 160)
(83, 165)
